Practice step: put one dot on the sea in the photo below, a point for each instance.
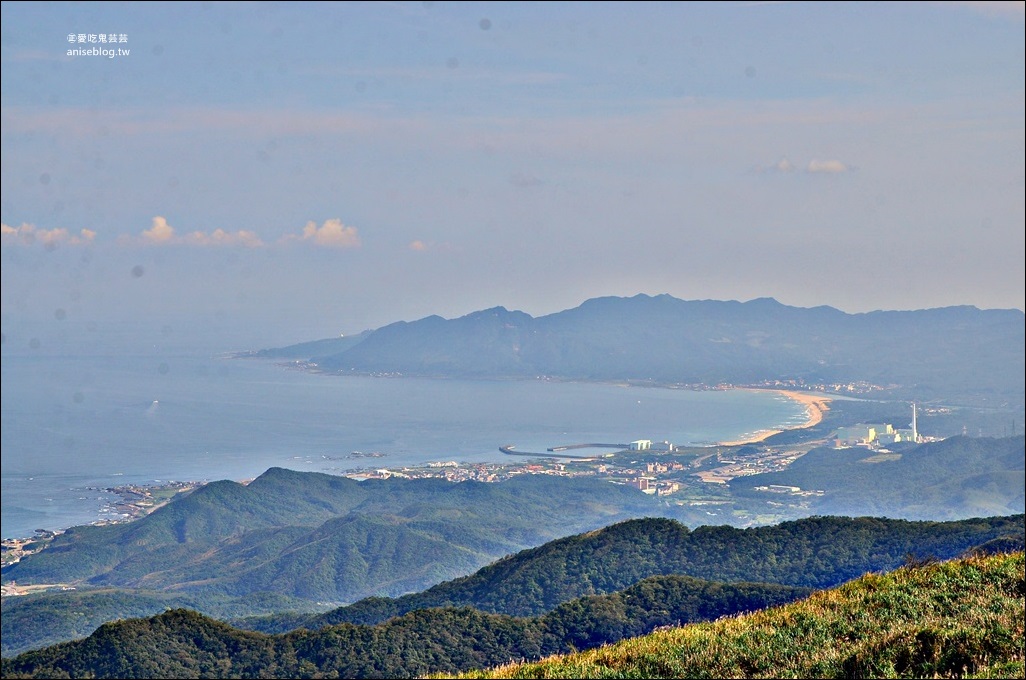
(73, 426)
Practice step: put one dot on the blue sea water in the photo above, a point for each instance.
(72, 426)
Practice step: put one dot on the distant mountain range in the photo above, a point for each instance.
(956, 353)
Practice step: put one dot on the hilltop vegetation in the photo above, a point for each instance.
(325, 537)
(815, 552)
(180, 643)
(956, 619)
(41, 619)
(943, 619)
(299, 539)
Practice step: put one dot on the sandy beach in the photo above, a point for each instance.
(815, 406)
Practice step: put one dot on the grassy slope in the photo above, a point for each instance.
(958, 618)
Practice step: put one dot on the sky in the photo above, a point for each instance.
(244, 175)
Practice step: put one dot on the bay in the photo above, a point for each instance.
(74, 425)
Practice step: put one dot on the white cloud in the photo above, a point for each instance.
(162, 233)
(332, 234)
(830, 166)
(785, 166)
(220, 237)
(28, 234)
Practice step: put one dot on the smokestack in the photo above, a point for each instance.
(915, 429)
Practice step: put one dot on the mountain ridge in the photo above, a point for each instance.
(962, 618)
(959, 352)
(538, 579)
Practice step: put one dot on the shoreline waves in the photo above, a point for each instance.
(816, 405)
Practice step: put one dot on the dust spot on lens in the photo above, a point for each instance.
(60, 314)
(485, 24)
(137, 271)
(163, 368)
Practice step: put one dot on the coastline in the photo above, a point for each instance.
(815, 406)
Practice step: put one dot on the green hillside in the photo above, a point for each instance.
(963, 618)
(324, 537)
(289, 535)
(42, 619)
(956, 477)
(818, 552)
(328, 540)
(181, 643)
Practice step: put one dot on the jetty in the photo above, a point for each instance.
(510, 450)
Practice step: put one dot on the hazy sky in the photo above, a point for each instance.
(252, 174)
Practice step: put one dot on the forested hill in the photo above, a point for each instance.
(952, 352)
(181, 643)
(957, 619)
(329, 538)
(936, 620)
(815, 552)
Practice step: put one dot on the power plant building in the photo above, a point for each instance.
(879, 434)
(856, 435)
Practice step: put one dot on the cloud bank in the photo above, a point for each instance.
(28, 234)
(332, 234)
(162, 233)
(831, 166)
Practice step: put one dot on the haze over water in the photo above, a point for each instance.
(70, 423)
